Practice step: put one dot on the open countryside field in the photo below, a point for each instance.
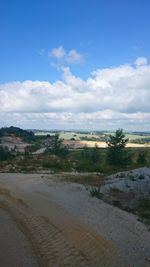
(12, 142)
(132, 136)
(79, 140)
(67, 135)
(80, 144)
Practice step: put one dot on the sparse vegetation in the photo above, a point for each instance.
(143, 209)
(142, 158)
(88, 166)
(56, 146)
(116, 153)
(5, 154)
(117, 203)
(95, 192)
(115, 190)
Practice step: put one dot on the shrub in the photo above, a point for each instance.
(144, 204)
(56, 147)
(52, 164)
(143, 209)
(5, 154)
(142, 158)
(91, 154)
(95, 192)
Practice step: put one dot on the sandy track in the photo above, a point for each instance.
(57, 240)
(75, 246)
(47, 241)
(14, 249)
(67, 228)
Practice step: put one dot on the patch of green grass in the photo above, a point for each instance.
(95, 192)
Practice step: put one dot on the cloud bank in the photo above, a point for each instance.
(108, 99)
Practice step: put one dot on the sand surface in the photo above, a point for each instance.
(66, 227)
(15, 250)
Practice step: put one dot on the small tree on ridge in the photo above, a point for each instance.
(116, 154)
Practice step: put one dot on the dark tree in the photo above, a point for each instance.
(116, 153)
(56, 146)
(27, 136)
(5, 154)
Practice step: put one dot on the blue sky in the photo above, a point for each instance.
(91, 35)
(108, 33)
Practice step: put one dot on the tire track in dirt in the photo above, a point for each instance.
(58, 245)
(48, 243)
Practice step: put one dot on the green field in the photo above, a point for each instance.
(90, 136)
(69, 135)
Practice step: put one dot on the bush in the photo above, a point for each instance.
(32, 148)
(91, 154)
(87, 166)
(144, 208)
(5, 154)
(56, 147)
(144, 204)
(95, 192)
(142, 158)
(52, 164)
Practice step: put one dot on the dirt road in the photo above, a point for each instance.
(54, 235)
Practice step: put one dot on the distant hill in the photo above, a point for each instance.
(26, 136)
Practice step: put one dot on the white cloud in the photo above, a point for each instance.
(110, 98)
(141, 61)
(57, 53)
(74, 57)
(70, 57)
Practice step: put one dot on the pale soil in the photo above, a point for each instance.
(13, 142)
(80, 144)
(66, 227)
